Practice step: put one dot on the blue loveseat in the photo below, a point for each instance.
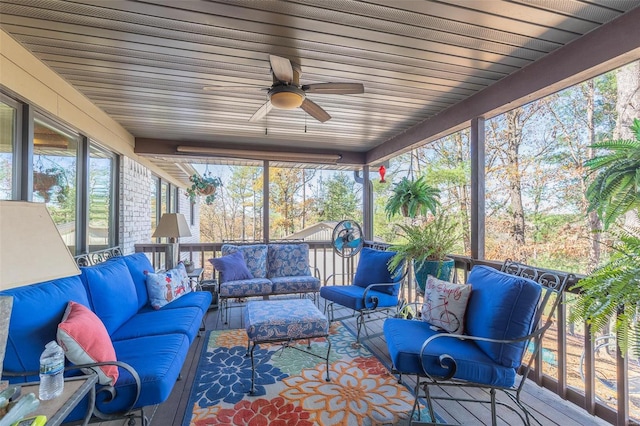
(264, 270)
(153, 342)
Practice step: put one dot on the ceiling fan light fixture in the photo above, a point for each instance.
(286, 97)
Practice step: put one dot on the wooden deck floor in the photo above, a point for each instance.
(547, 407)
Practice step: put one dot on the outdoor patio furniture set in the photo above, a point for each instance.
(263, 270)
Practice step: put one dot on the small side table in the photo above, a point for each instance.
(75, 388)
(212, 287)
(196, 276)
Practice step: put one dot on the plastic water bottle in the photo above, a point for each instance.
(51, 371)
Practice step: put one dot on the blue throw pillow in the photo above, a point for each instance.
(373, 269)
(232, 267)
(255, 257)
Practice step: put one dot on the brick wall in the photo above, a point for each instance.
(135, 207)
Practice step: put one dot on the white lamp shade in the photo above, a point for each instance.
(31, 248)
(172, 225)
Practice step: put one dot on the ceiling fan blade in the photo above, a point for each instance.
(314, 110)
(334, 88)
(281, 68)
(261, 112)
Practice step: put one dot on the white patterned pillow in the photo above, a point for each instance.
(445, 304)
(167, 286)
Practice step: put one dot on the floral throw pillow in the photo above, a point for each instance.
(167, 286)
(445, 304)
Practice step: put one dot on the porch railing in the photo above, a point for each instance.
(594, 377)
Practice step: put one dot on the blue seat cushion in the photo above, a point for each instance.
(194, 299)
(288, 260)
(246, 288)
(157, 378)
(112, 292)
(404, 340)
(255, 256)
(283, 320)
(351, 296)
(295, 284)
(159, 322)
(139, 265)
(37, 311)
(373, 269)
(501, 306)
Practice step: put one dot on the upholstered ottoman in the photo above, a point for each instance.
(284, 321)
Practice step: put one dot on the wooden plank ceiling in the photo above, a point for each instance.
(146, 62)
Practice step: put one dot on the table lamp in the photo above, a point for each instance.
(31, 251)
(172, 226)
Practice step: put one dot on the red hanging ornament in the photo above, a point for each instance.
(382, 170)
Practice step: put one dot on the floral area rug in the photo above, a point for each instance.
(291, 387)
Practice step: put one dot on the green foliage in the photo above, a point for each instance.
(611, 287)
(205, 185)
(616, 187)
(412, 198)
(340, 201)
(431, 240)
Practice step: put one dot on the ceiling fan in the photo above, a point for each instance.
(286, 92)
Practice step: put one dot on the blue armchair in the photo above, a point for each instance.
(502, 324)
(374, 289)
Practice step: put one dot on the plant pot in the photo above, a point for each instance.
(207, 191)
(189, 268)
(440, 269)
(43, 182)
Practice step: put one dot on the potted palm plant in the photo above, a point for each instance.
(204, 185)
(427, 244)
(412, 198)
(612, 288)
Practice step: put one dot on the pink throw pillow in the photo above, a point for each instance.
(85, 340)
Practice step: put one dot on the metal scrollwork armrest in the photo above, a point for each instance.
(110, 390)
(374, 299)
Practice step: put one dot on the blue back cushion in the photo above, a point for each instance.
(502, 306)
(112, 292)
(37, 311)
(372, 269)
(288, 260)
(138, 264)
(255, 257)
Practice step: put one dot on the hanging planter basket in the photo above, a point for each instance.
(43, 182)
(205, 186)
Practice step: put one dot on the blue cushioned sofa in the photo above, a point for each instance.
(276, 269)
(154, 343)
